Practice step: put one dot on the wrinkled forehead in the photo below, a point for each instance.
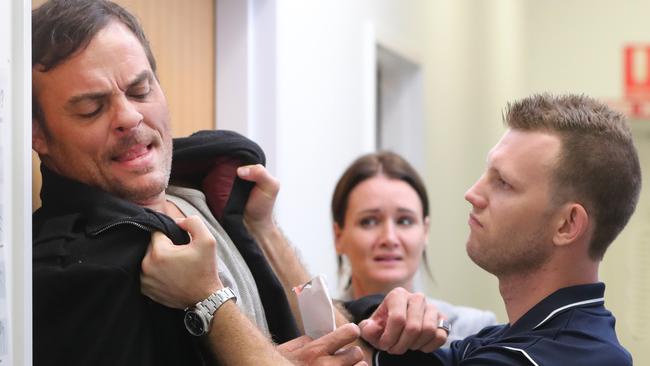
(113, 57)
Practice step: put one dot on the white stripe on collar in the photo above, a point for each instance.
(524, 353)
(579, 303)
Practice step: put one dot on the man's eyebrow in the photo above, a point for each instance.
(509, 176)
(142, 76)
(86, 96)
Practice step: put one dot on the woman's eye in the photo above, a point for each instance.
(406, 221)
(368, 222)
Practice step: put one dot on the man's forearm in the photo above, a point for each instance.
(285, 263)
(290, 270)
(234, 340)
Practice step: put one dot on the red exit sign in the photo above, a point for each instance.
(635, 102)
(636, 63)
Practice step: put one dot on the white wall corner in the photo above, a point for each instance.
(246, 71)
(369, 127)
(232, 64)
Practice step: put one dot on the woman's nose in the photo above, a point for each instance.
(389, 234)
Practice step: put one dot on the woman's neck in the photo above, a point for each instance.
(360, 289)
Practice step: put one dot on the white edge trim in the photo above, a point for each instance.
(524, 353)
(579, 303)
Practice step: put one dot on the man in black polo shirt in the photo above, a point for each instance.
(559, 187)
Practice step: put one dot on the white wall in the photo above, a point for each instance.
(15, 198)
(320, 95)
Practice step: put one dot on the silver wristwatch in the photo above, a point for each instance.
(198, 317)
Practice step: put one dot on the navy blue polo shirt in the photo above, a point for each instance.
(569, 327)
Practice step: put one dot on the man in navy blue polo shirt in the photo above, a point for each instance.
(559, 187)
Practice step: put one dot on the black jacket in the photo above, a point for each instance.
(88, 246)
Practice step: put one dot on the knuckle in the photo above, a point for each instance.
(371, 338)
(395, 350)
(145, 266)
(152, 257)
(312, 353)
(418, 296)
(349, 330)
(412, 328)
(398, 318)
(211, 241)
(432, 308)
(357, 353)
(429, 328)
(428, 348)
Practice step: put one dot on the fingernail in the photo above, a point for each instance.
(243, 171)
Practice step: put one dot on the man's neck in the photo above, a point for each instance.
(521, 292)
(157, 203)
(162, 205)
(172, 210)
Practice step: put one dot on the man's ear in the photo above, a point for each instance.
(337, 238)
(572, 224)
(39, 140)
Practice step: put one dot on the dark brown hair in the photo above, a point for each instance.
(367, 166)
(62, 27)
(598, 165)
(370, 165)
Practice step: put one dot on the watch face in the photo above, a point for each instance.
(194, 323)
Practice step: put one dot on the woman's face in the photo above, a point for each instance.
(383, 235)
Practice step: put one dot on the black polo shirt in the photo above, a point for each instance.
(569, 327)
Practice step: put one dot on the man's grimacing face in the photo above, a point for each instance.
(510, 222)
(107, 118)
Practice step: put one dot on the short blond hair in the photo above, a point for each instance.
(598, 165)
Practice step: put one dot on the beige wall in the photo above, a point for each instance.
(578, 46)
(474, 68)
(490, 52)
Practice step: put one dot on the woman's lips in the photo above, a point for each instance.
(387, 258)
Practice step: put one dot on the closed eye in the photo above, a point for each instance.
(92, 113)
(140, 92)
(502, 183)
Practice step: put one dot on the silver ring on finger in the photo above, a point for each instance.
(445, 325)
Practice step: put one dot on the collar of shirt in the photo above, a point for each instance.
(559, 301)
